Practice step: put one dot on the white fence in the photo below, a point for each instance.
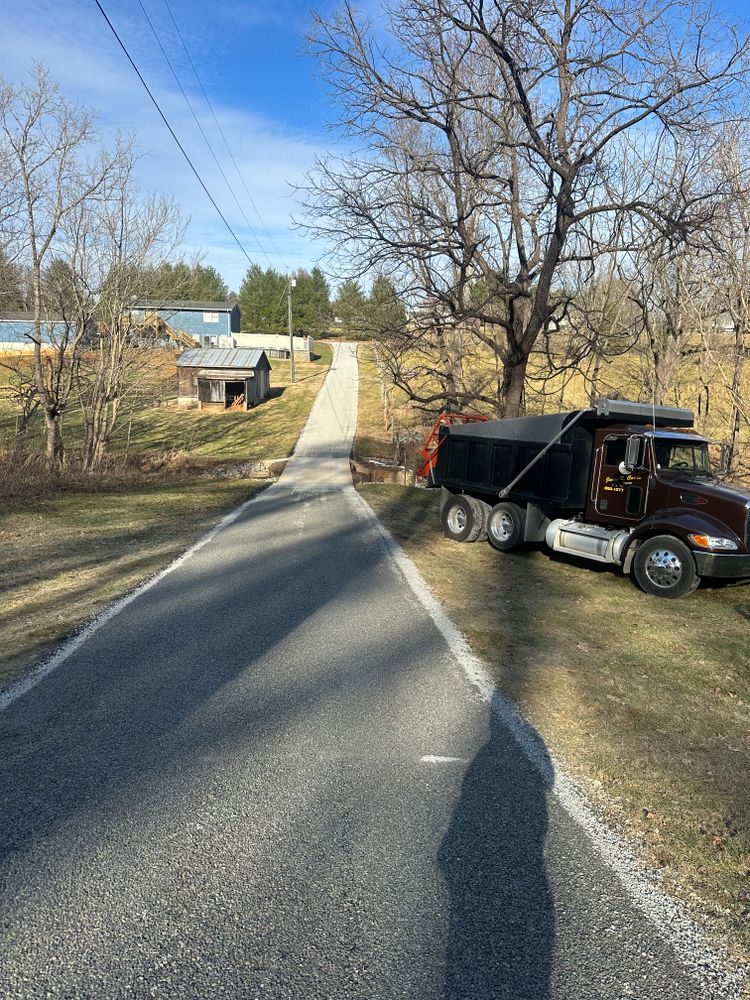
(274, 346)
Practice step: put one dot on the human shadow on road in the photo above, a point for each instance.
(502, 923)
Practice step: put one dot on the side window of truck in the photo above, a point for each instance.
(614, 452)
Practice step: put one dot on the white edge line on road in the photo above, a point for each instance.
(74, 642)
(710, 964)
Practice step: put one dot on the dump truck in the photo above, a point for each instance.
(621, 483)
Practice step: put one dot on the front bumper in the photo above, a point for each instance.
(729, 565)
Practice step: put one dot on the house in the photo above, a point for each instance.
(17, 331)
(210, 324)
(222, 379)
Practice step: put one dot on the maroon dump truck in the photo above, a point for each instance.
(621, 483)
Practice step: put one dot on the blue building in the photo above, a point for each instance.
(210, 324)
(17, 330)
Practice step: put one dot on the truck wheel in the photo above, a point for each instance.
(481, 511)
(505, 525)
(664, 567)
(460, 520)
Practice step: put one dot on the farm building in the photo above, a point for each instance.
(210, 324)
(220, 379)
(17, 331)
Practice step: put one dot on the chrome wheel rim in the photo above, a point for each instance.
(664, 568)
(456, 520)
(501, 527)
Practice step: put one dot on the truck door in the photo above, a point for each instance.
(618, 497)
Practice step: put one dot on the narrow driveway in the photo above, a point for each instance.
(268, 777)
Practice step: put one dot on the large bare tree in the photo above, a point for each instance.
(502, 144)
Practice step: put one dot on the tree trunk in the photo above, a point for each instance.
(55, 449)
(514, 381)
(736, 415)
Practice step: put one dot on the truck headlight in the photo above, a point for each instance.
(711, 542)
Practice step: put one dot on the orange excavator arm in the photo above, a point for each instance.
(432, 445)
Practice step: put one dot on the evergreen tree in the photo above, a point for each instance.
(11, 285)
(182, 281)
(386, 315)
(350, 307)
(311, 306)
(263, 301)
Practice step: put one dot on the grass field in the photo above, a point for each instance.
(224, 436)
(647, 702)
(66, 555)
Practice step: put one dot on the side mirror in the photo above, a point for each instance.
(632, 451)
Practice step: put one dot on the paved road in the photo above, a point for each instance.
(268, 777)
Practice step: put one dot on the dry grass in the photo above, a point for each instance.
(645, 700)
(270, 430)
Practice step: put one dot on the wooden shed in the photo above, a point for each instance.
(222, 379)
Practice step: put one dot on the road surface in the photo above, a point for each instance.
(268, 776)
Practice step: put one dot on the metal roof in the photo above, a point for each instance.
(175, 305)
(218, 357)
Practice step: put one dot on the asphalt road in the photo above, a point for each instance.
(267, 776)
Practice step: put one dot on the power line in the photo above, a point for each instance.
(172, 132)
(202, 132)
(223, 136)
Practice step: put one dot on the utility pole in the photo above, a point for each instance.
(292, 284)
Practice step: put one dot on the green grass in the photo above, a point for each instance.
(646, 701)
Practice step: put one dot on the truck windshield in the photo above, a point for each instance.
(687, 457)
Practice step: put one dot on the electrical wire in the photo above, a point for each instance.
(223, 136)
(172, 132)
(202, 132)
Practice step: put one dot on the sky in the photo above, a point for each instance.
(263, 86)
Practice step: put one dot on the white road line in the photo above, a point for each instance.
(69, 646)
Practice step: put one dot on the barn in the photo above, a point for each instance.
(222, 379)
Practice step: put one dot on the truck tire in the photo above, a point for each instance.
(664, 567)
(505, 526)
(481, 513)
(460, 520)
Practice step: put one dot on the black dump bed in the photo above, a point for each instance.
(486, 457)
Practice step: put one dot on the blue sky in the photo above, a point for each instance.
(263, 87)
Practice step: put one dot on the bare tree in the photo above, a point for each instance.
(125, 235)
(725, 325)
(45, 141)
(503, 143)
